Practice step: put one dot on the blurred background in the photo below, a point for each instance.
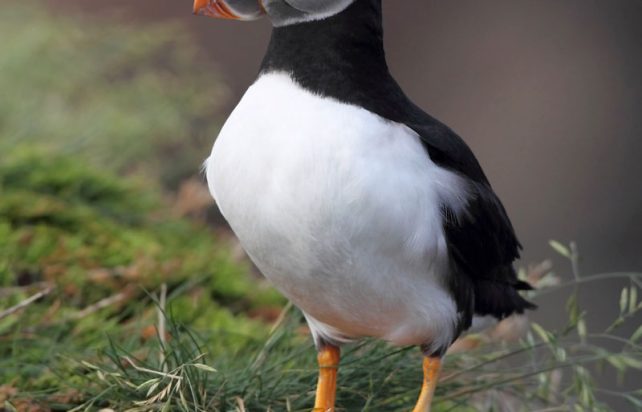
(547, 94)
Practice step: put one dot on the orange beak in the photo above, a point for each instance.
(214, 8)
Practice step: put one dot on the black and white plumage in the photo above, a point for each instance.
(370, 215)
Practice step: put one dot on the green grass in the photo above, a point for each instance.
(543, 370)
(99, 243)
(148, 312)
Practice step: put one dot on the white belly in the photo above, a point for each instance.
(341, 210)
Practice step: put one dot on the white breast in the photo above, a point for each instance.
(341, 210)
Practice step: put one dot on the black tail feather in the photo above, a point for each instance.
(500, 299)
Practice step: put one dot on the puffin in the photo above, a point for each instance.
(371, 216)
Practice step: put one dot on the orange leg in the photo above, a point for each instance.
(327, 386)
(431, 374)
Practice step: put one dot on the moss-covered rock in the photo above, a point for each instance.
(92, 232)
(102, 239)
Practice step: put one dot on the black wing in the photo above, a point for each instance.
(482, 242)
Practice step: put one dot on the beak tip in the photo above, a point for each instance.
(199, 5)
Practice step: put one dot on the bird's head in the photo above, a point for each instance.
(280, 12)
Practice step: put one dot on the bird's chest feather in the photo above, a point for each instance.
(328, 196)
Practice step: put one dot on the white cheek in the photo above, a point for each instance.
(313, 10)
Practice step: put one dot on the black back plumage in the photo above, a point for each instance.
(342, 57)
